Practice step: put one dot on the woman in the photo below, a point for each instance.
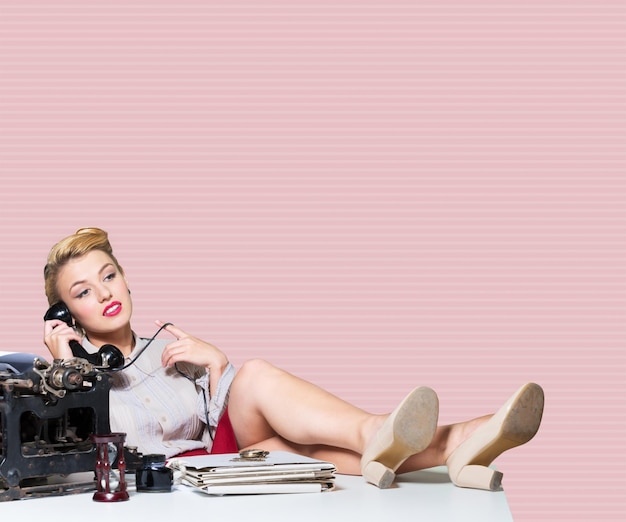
(184, 395)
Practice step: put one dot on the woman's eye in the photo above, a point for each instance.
(82, 294)
(110, 276)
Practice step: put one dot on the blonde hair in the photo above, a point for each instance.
(85, 240)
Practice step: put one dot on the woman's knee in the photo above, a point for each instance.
(251, 373)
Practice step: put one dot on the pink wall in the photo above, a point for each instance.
(373, 195)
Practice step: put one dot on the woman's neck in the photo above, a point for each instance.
(123, 339)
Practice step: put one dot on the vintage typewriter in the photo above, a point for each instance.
(48, 412)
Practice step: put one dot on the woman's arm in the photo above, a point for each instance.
(187, 348)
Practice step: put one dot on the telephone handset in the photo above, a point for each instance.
(108, 356)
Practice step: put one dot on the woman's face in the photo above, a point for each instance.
(96, 292)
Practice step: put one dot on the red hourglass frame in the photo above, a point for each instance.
(103, 468)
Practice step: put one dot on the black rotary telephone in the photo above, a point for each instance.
(108, 356)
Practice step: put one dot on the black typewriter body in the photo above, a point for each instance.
(48, 413)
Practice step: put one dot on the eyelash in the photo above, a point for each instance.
(108, 277)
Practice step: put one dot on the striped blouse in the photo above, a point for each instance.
(160, 410)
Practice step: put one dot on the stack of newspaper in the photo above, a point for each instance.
(247, 473)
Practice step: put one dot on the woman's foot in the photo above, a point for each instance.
(408, 430)
(514, 424)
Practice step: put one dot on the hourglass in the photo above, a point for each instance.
(109, 487)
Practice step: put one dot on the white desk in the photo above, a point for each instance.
(423, 495)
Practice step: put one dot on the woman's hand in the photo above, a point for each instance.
(57, 336)
(187, 348)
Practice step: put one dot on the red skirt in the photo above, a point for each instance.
(223, 442)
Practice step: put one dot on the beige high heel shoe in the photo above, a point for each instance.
(515, 423)
(408, 430)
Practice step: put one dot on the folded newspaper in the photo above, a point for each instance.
(254, 472)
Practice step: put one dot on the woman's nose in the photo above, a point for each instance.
(104, 294)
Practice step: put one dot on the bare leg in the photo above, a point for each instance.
(275, 410)
(446, 440)
(266, 402)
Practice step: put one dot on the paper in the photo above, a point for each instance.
(278, 472)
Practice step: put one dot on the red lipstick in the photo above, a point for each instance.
(113, 309)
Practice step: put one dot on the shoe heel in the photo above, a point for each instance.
(514, 424)
(408, 430)
(478, 477)
(378, 474)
